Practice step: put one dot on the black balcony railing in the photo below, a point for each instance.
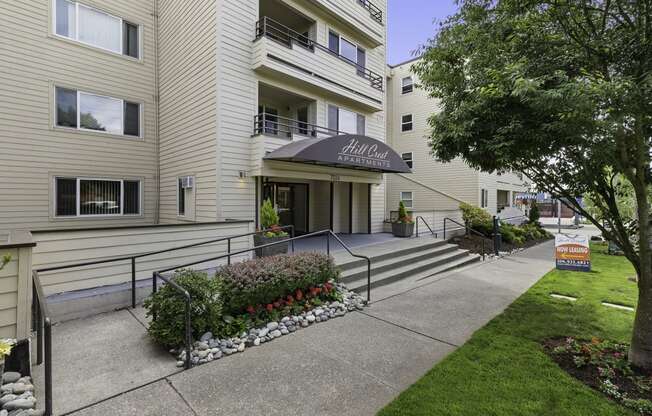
(272, 124)
(374, 11)
(271, 29)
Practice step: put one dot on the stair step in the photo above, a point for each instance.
(396, 261)
(383, 252)
(436, 264)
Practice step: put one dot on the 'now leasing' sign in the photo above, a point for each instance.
(572, 252)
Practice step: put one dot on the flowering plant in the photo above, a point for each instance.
(5, 347)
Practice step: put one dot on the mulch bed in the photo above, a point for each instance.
(473, 243)
(589, 373)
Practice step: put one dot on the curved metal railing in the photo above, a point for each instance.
(419, 217)
(467, 228)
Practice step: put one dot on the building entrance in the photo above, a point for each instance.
(291, 202)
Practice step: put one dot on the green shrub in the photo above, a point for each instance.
(268, 215)
(264, 280)
(477, 218)
(403, 216)
(534, 214)
(205, 313)
(269, 220)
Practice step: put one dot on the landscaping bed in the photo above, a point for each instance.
(604, 366)
(247, 304)
(473, 243)
(514, 237)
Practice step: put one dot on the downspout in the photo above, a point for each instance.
(157, 214)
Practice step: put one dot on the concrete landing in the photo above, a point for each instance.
(347, 366)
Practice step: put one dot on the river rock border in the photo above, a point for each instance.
(209, 348)
(17, 396)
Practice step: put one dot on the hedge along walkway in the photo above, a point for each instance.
(503, 370)
(352, 365)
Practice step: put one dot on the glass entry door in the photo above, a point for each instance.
(291, 203)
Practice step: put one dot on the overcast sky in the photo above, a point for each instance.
(411, 23)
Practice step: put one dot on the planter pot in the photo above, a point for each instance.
(260, 240)
(403, 230)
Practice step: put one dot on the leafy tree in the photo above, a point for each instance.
(561, 91)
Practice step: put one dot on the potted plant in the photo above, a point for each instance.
(404, 225)
(5, 349)
(271, 232)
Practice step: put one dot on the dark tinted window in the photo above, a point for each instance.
(362, 61)
(181, 203)
(333, 114)
(66, 107)
(65, 24)
(130, 40)
(131, 197)
(360, 124)
(66, 196)
(334, 42)
(132, 119)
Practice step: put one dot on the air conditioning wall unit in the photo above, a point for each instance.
(187, 182)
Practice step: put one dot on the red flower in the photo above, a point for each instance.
(290, 298)
(269, 307)
(289, 302)
(251, 310)
(299, 294)
(277, 304)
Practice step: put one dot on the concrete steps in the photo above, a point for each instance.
(391, 262)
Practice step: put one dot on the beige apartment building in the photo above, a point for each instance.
(434, 188)
(121, 113)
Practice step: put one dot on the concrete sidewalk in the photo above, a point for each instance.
(348, 366)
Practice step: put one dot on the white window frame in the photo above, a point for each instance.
(78, 199)
(411, 159)
(411, 122)
(122, 114)
(122, 21)
(400, 198)
(356, 44)
(403, 92)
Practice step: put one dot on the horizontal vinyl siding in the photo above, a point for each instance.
(33, 61)
(187, 76)
(454, 178)
(237, 101)
(70, 247)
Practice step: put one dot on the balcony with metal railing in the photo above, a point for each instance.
(363, 17)
(284, 52)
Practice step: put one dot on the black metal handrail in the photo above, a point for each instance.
(274, 30)
(133, 258)
(467, 228)
(268, 123)
(374, 11)
(419, 217)
(42, 323)
(188, 324)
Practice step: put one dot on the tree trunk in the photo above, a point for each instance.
(640, 352)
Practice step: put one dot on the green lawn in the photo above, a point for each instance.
(502, 369)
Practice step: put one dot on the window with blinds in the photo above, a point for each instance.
(80, 197)
(94, 27)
